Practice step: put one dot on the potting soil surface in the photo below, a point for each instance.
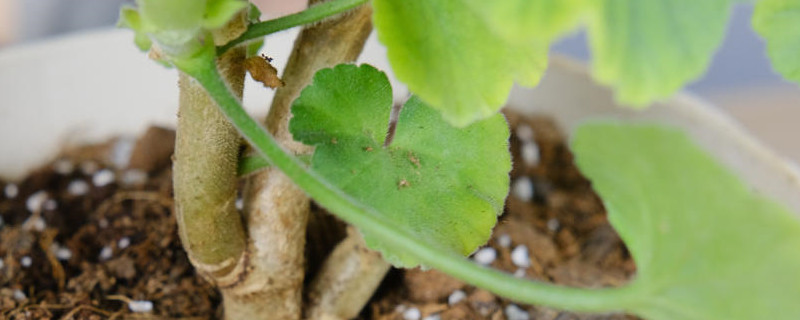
(92, 236)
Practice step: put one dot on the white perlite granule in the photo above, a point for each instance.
(412, 314)
(63, 254)
(133, 177)
(106, 253)
(63, 167)
(530, 153)
(433, 317)
(26, 261)
(19, 295)
(124, 242)
(519, 256)
(50, 205)
(89, 167)
(504, 240)
(35, 201)
(523, 189)
(485, 256)
(121, 152)
(513, 312)
(35, 222)
(456, 297)
(520, 273)
(553, 224)
(78, 188)
(140, 305)
(102, 178)
(11, 191)
(524, 133)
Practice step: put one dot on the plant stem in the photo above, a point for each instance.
(311, 14)
(370, 221)
(347, 279)
(206, 151)
(277, 211)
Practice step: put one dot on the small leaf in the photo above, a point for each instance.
(443, 184)
(523, 20)
(778, 22)
(449, 57)
(219, 12)
(705, 246)
(262, 71)
(129, 18)
(649, 49)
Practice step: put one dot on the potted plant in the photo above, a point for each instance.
(408, 176)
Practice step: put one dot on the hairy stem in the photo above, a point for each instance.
(276, 210)
(312, 14)
(206, 151)
(347, 280)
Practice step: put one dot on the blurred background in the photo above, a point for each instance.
(740, 78)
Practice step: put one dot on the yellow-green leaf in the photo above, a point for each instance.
(778, 22)
(705, 245)
(647, 50)
(447, 55)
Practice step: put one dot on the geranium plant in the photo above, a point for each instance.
(423, 182)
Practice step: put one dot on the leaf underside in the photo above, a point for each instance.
(647, 50)
(705, 246)
(448, 56)
(443, 184)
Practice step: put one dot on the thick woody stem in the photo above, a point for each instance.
(206, 151)
(346, 281)
(276, 210)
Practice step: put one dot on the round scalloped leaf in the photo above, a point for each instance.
(523, 20)
(778, 22)
(705, 245)
(446, 53)
(441, 183)
(649, 49)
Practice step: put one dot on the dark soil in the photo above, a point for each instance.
(74, 247)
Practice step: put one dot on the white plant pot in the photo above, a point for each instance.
(88, 87)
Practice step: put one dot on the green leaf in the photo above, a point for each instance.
(649, 49)
(129, 18)
(219, 12)
(705, 246)
(448, 56)
(778, 22)
(443, 184)
(172, 14)
(523, 20)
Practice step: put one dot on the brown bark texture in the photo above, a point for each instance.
(276, 210)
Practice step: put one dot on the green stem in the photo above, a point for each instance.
(311, 14)
(367, 219)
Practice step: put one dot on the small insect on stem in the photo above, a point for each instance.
(392, 124)
(262, 71)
